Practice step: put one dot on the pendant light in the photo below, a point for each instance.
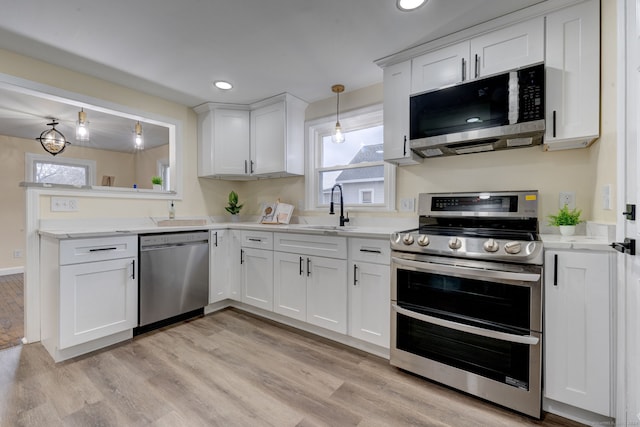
(137, 137)
(82, 126)
(337, 136)
(52, 140)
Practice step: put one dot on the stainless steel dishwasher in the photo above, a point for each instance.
(174, 276)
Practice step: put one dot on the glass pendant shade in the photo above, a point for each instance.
(138, 140)
(82, 127)
(52, 140)
(337, 136)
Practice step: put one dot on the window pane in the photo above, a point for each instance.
(364, 145)
(53, 173)
(353, 181)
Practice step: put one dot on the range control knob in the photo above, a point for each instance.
(423, 240)
(455, 243)
(491, 245)
(407, 239)
(513, 247)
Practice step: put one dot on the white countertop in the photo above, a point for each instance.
(143, 227)
(593, 243)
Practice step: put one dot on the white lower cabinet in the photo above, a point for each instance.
(256, 259)
(90, 293)
(577, 329)
(369, 290)
(310, 287)
(219, 271)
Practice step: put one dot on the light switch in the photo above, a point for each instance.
(64, 204)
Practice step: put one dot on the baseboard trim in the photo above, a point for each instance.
(12, 270)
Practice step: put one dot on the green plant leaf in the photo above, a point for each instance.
(566, 217)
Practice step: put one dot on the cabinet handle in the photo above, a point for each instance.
(477, 66)
(251, 166)
(253, 239)
(245, 166)
(554, 123)
(464, 71)
(133, 269)
(308, 267)
(355, 274)
(241, 256)
(555, 270)
(301, 266)
(371, 251)
(404, 154)
(216, 240)
(102, 249)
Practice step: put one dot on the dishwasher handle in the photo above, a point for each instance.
(172, 245)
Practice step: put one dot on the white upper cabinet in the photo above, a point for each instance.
(397, 82)
(443, 67)
(497, 51)
(223, 140)
(509, 48)
(242, 142)
(277, 137)
(573, 76)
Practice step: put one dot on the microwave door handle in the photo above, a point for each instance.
(467, 272)
(503, 336)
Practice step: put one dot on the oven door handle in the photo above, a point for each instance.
(468, 272)
(503, 336)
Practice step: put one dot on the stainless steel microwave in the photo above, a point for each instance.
(493, 113)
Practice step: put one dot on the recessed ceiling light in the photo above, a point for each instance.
(221, 84)
(409, 5)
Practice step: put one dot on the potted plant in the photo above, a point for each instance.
(157, 183)
(234, 207)
(566, 220)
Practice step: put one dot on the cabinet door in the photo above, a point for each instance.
(442, 67)
(268, 139)
(290, 285)
(257, 278)
(231, 142)
(327, 293)
(97, 299)
(219, 257)
(512, 47)
(369, 300)
(577, 330)
(397, 82)
(234, 264)
(572, 68)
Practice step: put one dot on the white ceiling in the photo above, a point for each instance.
(175, 49)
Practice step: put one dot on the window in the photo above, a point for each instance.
(51, 170)
(164, 172)
(357, 165)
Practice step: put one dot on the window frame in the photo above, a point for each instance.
(352, 120)
(32, 158)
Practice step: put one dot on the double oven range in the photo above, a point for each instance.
(466, 296)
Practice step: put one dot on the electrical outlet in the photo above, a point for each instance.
(567, 198)
(64, 204)
(17, 253)
(407, 205)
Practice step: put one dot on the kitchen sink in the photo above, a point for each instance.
(329, 227)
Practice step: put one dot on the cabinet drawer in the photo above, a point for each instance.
(311, 244)
(257, 239)
(76, 251)
(370, 250)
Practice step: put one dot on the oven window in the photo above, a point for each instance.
(498, 360)
(481, 303)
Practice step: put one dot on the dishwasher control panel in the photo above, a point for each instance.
(163, 239)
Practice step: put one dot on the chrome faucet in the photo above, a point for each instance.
(343, 220)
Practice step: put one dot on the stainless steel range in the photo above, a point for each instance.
(466, 297)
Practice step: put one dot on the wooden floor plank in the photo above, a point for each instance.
(231, 368)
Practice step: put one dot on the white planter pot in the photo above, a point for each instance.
(567, 230)
(157, 187)
(235, 218)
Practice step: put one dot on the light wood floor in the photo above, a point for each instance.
(11, 310)
(231, 369)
